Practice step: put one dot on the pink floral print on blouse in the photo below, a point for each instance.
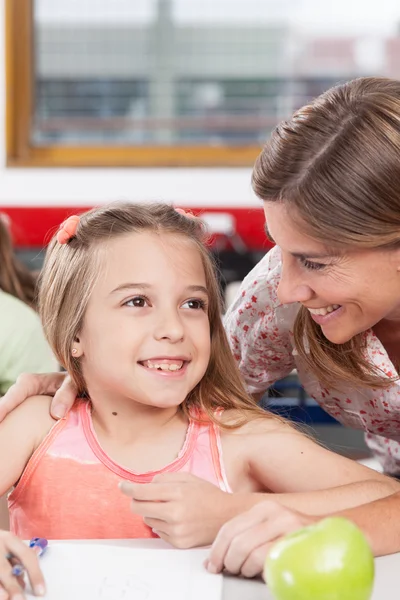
(260, 332)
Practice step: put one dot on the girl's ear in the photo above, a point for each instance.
(77, 350)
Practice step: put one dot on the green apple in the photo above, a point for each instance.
(329, 560)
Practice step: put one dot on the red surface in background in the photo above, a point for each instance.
(32, 227)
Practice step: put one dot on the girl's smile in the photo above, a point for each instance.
(166, 367)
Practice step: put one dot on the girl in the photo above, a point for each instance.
(130, 306)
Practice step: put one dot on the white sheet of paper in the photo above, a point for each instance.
(107, 572)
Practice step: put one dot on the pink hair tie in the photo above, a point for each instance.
(186, 213)
(67, 229)
(6, 219)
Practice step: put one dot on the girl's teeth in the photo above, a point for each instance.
(164, 366)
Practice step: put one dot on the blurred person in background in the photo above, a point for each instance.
(23, 347)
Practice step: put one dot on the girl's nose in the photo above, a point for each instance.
(169, 327)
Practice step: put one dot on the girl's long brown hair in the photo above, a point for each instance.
(70, 271)
(336, 164)
(15, 278)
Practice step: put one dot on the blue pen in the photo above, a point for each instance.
(39, 545)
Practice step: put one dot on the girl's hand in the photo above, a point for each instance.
(58, 385)
(243, 543)
(10, 587)
(182, 509)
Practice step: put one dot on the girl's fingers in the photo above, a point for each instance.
(176, 477)
(20, 578)
(157, 525)
(3, 593)
(26, 557)
(8, 581)
(21, 582)
(148, 492)
(152, 510)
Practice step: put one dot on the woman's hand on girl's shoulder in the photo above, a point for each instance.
(13, 551)
(58, 385)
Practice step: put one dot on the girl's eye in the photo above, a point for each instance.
(312, 266)
(137, 302)
(195, 304)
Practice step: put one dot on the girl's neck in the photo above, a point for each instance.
(127, 420)
(139, 437)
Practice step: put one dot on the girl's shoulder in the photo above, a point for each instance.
(253, 448)
(21, 433)
(32, 419)
(248, 424)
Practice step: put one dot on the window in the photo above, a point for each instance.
(167, 82)
(122, 83)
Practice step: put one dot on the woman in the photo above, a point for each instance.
(326, 299)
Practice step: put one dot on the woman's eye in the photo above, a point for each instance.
(312, 266)
(194, 304)
(137, 301)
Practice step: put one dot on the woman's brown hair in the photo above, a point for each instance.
(336, 164)
(70, 271)
(15, 278)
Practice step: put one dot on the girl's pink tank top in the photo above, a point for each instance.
(69, 488)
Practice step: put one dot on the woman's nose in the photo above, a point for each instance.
(292, 288)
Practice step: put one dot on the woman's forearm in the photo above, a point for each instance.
(380, 522)
(322, 502)
(346, 496)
